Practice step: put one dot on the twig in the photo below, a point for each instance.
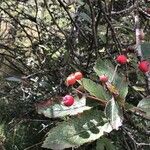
(11, 16)
(138, 112)
(138, 46)
(53, 19)
(125, 11)
(126, 143)
(30, 147)
(55, 22)
(137, 34)
(75, 24)
(114, 36)
(144, 13)
(93, 26)
(133, 139)
(36, 15)
(114, 73)
(103, 102)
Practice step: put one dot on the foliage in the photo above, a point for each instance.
(104, 143)
(86, 128)
(42, 42)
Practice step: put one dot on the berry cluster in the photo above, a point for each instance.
(144, 65)
(68, 100)
(71, 79)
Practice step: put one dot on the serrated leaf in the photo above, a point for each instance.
(145, 48)
(77, 131)
(114, 113)
(105, 67)
(95, 89)
(59, 110)
(144, 104)
(104, 144)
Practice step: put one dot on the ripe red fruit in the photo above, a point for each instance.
(78, 75)
(68, 100)
(103, 78)
(121, 59)
(144, 66)
(70, 80)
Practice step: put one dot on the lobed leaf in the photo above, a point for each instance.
(77, 131)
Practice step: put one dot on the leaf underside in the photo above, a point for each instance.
(59, 110)
(114, 113)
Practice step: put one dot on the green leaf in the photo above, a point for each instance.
(59, 110)
(95, 89)
(145, 48)
(114, 113)
(77, 131)
(144, 104)
(122, 86)
(104, 144)
(85, 17)
(105, 67)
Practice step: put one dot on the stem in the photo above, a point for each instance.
(137, 34)
(93, 26)
(138, 48)
(103, 102)
(114, 73)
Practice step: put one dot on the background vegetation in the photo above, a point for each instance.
(42, 42)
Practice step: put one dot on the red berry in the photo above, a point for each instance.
(68, 100)
(78, 75)
(144, 66)
(121, 59)
(70, 80)
(103, 78)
